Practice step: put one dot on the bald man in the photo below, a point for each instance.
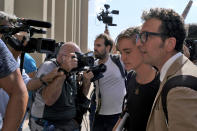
(56, 103)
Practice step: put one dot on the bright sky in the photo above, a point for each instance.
(129, 14)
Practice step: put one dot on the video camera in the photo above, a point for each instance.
(87, 60)
(41, 45)
(191, 41)
(97, 71)
(104, 15)
(84, 60)
(16, 25)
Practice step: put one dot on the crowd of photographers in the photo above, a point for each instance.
(150, 83)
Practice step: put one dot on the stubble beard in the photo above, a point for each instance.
(101, 56)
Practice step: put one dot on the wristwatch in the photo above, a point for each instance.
(43, 82)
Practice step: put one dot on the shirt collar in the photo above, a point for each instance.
(167, 65)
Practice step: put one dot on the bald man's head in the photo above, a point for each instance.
(67, 48)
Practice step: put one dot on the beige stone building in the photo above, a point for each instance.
(69, 19)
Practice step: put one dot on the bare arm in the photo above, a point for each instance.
(52, 92)
(35, 83)
(16, 89)
(87, 76)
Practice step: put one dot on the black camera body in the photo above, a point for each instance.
(87, 60)
(104, 15)
(191, 41)
(98, 71)
(41, 45)
(192, 46)
(83, 61)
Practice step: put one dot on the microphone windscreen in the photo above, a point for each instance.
(37, 23)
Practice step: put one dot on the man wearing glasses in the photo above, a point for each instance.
(160, 41)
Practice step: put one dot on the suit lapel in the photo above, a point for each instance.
(177, 64)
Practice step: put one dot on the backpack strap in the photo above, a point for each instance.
(130, 76)
(54, 61)
(116, 60)
(177, 81)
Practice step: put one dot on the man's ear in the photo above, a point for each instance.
(108, 48)
(170, 44)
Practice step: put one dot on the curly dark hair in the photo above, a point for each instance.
(129, 33)
(108, 40)
(172, 24)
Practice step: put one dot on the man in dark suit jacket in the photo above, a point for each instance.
(160, 40)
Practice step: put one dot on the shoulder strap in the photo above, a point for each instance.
(181, 80)
(129, 77)
(54, 61)
(116, 60)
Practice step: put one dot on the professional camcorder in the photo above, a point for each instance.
(104, 15)
(16, 25)
(86, 62)
(86, 59)
(41, 45)
(98, 71)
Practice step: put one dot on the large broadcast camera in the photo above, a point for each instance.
(191, 41)
(41, 45)
(104, 15)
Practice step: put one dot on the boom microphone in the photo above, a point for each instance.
(36, 23)
(12, 19)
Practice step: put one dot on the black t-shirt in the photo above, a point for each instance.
(64, 108)
(139, 102)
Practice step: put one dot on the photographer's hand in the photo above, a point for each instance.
(36, 83)
(69, 62)
(23, 37)
(87, 76)
(52, 75)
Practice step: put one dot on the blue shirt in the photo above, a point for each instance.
(7, 62)
(29, 64)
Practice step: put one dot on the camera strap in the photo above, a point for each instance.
(98, 96)
(55, 62)
(116, 60)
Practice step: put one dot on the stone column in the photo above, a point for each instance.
(84, 26)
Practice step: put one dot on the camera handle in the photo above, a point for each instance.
(106, 29)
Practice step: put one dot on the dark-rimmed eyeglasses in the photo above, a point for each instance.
(144, 36)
